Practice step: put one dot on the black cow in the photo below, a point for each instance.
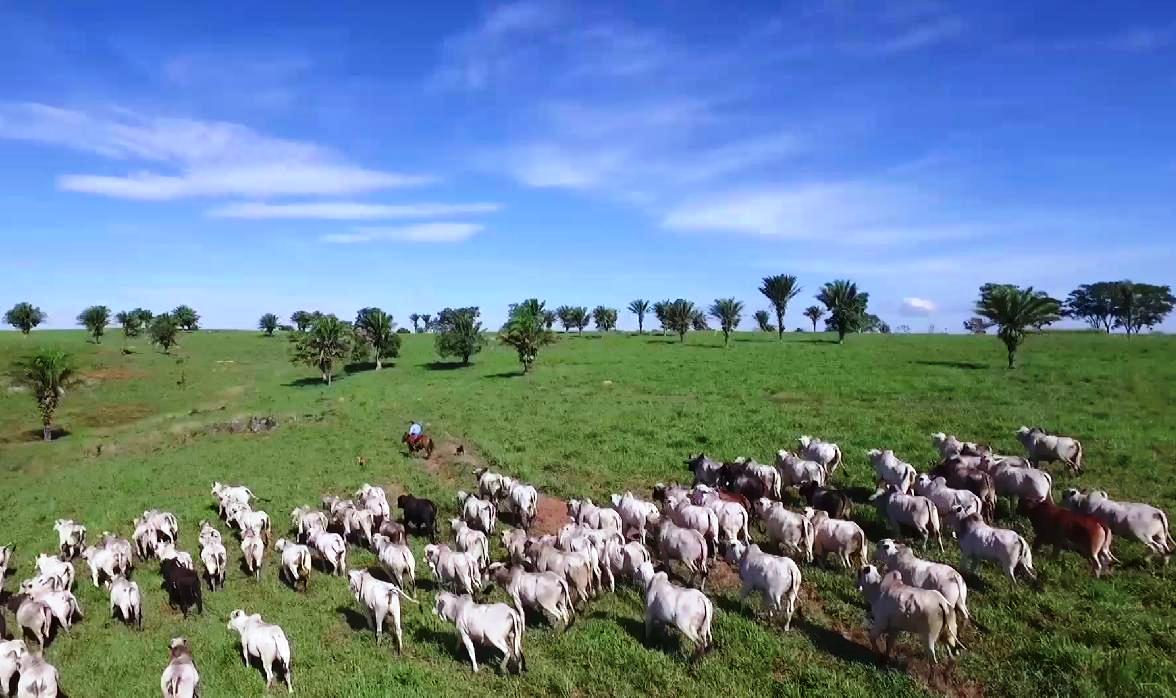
(827, 499)
(182, 586)
(419, 514)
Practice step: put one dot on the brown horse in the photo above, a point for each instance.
(424, 442)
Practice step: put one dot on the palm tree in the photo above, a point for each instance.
(376, 332)
(46, 374)
(301, 319)
(814, 313)
(679, 316)
(427, 319)
(639, 308)
(659, 311)
(764, 321)
(130, 322)
(779, 290)
(164, 330)
(95, 319)
(187, 318)
(268, 323)
(460, 334)
(415, 318)
(24, 317)
(549, 318)
(605, 318)
(1015, 309)
(846, 305)
(728, 312)
(526, 331)
(328, 340)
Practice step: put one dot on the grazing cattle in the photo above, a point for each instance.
(768, 476)
(105, 563)
(979, 541)
(826, 453)
(959, 475)
(1063, 529)
(11, 652)
(546, 592)
(61, 602)
(397, 560)
(1049, 448)
(215, 559)
(635, 514)
(382, 600)
(701, 519)
(925, 574)
(515, 542)
(795, 470)
(296, 563)
(585, 513)
(38, 678)
(182, 585)
(265, 641)
(523, 501)
(375, 500)
(492, 486)
(252, 552)
(1143, 522)
(470, 540)
(578, 569)
(842, 538)
(830, 500)
(478, 513)
(226, 494)
(1016, 482)
(126, 603)
(945, 498)
(686, 545)
(891, 470)
(50, 566)
(734, 520)
(307, 519)
(419, 514)
(706, 471)
(495, 625)
(689, 610)
(897, 607)
(624, 559)
(180, 678)
(776, 578)
(792, 532)
(71, 537)
(332, 550)
(34, 617)
(453, 569)
(167, 551)
(911, 511)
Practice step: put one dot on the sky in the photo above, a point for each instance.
(413, 156)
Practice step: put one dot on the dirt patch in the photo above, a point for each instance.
(722, 578)
(551, 514)
(112, 415)
(453, 462)
(250, 425)
(30, 435)
(111, 374)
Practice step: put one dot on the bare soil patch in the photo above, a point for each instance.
(115, 414)
(551, 514)
(112, 374)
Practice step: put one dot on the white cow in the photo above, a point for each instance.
(689, 610)
(897, 607)
(791, 531)
(979, 541)
(625, 559)
(826, 453)
(496, 625)
(945, 498)
(1143, 522)
(253, 552)
(471, 540)
(125, 598)
(453, 569)
(684, 544)
(635, 514)
(5, 557)
(265, 641)
(105, 562)
(332, 549)
(795, 470)
(215, 558)
(374, 499)
(180, 679)
(307, 519)
(838, 536)
(523, 501)
(1041, 446)
(734, 521)
(911, 511)
(925, 574)
(396, 559)
(35, 618)
(71, 537)
(1018, 482)
(546, 592)
(50, 566)
(891, 470)
(38, 678)
(586, 513)
(296, 562)
(776, 578)
(11, 652)
(579, 569)
(382, 600)
(478, 513)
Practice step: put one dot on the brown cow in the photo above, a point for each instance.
(1063, 529)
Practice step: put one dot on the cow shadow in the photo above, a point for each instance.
(354, 619)
(311, 380)
(965, 365)
(836, 644)
(506, 374)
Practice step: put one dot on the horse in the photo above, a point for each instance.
(424, 442)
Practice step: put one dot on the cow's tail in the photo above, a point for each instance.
(173, 687)
(1078, 456)
(304, 564)
(1049, 487)
(1025, 561)
(933, 517)
(745, 529)
(704, 632)
(517, 641)
(808, 535)
(1168, 543)
(949, 634)
(836, 462)
(961, 603)
(865, 546)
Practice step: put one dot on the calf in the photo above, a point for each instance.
(896, 607)
(689, 610)
(419, 514)
(382, 600)
(295, 563)
(182, 585)
(71, 537)
(265, 641)
(496, 625)
(1063, 529)
(125, 602)
(180, 679)
(830, 500)
(776, 578)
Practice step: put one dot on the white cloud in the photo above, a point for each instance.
(494, 47)
(919, 36)
(917, 307)
(424, 232)
(347, 210)
(208, 158)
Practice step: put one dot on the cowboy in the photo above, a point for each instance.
(414, 431)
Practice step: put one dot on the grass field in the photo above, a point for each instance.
(598, 415)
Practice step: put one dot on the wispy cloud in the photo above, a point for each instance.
(917, 307)
(474, 58)
(424, 232)
(916, 37)
(207, 158)
(348, 210)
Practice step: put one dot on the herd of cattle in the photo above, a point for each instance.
(633, 540)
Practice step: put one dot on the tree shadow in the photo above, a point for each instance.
(966, 365)
(309, 381)
(814, 341)
(359, 367)
(355, 620)
(33, 435)
(705, 346)
(506, 374)
(444, 365)
(662, 340)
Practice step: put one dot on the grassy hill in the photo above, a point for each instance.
(145, 430)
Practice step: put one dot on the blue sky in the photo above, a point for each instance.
(418, 155)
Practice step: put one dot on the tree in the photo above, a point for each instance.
(164, 331)
(144, 317)
(605, 318)
(375, 332)
(24, 317)
(549, 318)
(427, 319)
(1013, 310)
(977, 325)
(46, 374)
(679, 315)
(268, 323)
(415, 318)
(130, 323)
(186, 318)
(1141, 305)
(873, 323)
(698, 321)
(459, 333)
(301, 320)
(814, 313)
(573, 316)
(659, 311)
(325, 342)
(728, 312)
(764, 321)
(639, 308)
(95, 319)
(846, 306)
(1094, 304)
(526, 332)
(779, 290)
